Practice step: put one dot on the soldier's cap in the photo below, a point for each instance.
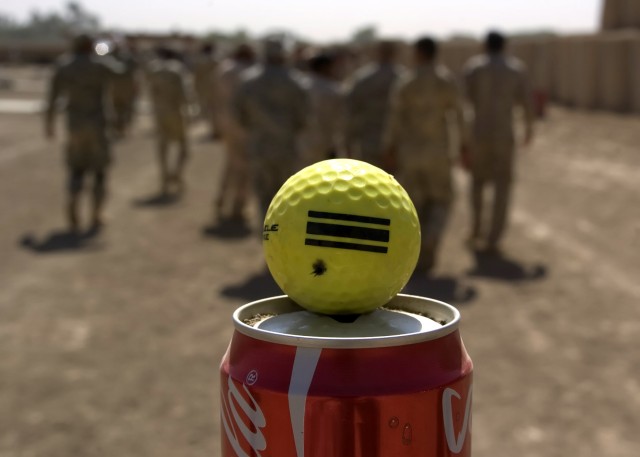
(244, 52)
(495, 41)
(165, 52)
(426, 47)
(208, 47)
(321, 62)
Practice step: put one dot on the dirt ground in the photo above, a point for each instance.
(110, 345)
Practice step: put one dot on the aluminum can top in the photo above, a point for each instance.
(406, 319)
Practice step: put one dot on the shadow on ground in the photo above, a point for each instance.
(61, 240)
(258, 286)
(157, 200)
(500, 266)
(228, 229)
(445, 288)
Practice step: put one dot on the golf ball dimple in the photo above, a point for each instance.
(341, 237)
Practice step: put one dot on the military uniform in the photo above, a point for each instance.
(368, 109)
(494, 85)
(418, 132)
(272, 105)
(170, 104)
(205, 73)
(324, 136)
(235, 178)
(125, 91)
(84, 80)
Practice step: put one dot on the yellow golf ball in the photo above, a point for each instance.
(341, 237)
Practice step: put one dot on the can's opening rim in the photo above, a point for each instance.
(445, 314)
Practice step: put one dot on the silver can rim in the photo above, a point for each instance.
(447, 315)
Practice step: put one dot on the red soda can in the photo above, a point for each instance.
(395, 382)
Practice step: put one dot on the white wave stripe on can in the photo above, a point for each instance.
(304, 366)
(455, 444)
(233, 422)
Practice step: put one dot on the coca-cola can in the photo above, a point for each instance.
(390, 383)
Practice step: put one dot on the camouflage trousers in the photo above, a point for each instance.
(123, 107)
(491, 168)
(170, 127)
(207, 108)
(234, 187)
(429, 184)
(269, 172)
(88, 148)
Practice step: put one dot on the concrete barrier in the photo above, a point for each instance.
(448, 59)
(541, 75)
(610, 14)
(583, 72)
(599, 71)
(628, 14)
(562, 70)
(456, 55)
(616, 62)
(634, 14)
(620, 14)
(524, 50)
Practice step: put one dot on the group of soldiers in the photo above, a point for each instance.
(276, 114)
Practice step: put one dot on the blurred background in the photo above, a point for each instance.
(110, 338)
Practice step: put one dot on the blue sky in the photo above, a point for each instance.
(328, 20)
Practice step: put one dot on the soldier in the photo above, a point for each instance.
(272, 105)
(368, 104)
(170, 106)
(323, 138)
(205, 74)
(417, 141)
(125, 89)
(344, 62)
(234, 187)
(494, 85)
(84, 80)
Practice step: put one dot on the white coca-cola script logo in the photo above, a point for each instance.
(455, 443)
(236, 429)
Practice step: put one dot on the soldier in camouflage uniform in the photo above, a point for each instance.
(417, 141)
(205, 74)
(170, 108)
(125, 89)
(368, 104)
(272, 105)
(495, 84)
(324, 136)
(234, 187)
(84, 80)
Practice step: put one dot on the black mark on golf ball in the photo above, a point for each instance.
(319, 268)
